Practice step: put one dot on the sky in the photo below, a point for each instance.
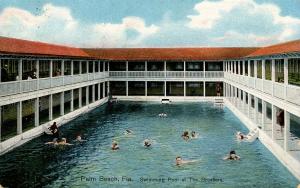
(152, 23)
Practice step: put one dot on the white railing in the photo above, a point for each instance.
(278, 90)
(292, 94)
(15, 87)
(267, 87)
(136, 74)
(214, 74)
(251, 82)
(194, 74)
(259, 84)
(117, 74)
(175, 74)
(156, 74)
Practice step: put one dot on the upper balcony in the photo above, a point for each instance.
(166, 70)
(26, 75)
(278, 78)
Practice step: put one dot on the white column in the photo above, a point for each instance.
(99, 91)
(19, 117)
(87, 95)
(239, 67)
(244, 68)
(264, 114)
(184, 87)
(37, 68)
(286, 130)
(165, 88)
(62, 105)
(93, 89)
(204, 91)
(0, 106)
(165, 70)
(50, 107)
(51, 68)
(126, 73)
(249, 68)
(249, 105)
(244, 100)
(37, 112)
(184, 69)
(104, 64)
(273, 121)
(255, 68)
(256, 110)
(263, 69)
(146, 85)
(286, 76)
(204, 71)
(80, 67)
(72, 101)
(80, 97)
(20, 71)
(103, 89)
(126, 88)
(273, 75)
(72, 67)
(0, 115)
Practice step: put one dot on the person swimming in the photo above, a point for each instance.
(241, 136)
(54, 142)
(162, 115)
(54, 130)
(128, 131)
(79, 139)
(64, 142)
(232, 156)
(147, 143)
(185, 135)
(115, 146)
(180, 161)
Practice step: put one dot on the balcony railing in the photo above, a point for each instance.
(266, 86)
(15, 87)
(166, 74)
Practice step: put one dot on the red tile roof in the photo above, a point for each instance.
(18, 46)
(156, 54)
(287, 47)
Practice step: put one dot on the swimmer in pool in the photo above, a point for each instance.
(64, 142)
(147, 143)
(115, 146)
(180, 161)
(79, 139)
(185, 135)
(54, 142)
(232, 156)
(127, 131)
(162, 115)
(241, 136)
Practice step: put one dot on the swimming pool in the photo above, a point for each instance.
(94, 164)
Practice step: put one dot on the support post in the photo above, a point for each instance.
(249, 106)
(80, 97)
(165, 90)
(127, 88)
(36, 112)
(273, 121)
(273, 75)
(62, 103)
(87, 95)
(93, 95)
(264, 114)
(50, 107)
(184, 88)
(99, 91)
(286, 76)
(256, 110)
(72, 100)
(204, 91)
(19, 117)
(146, 89)
(286, 130)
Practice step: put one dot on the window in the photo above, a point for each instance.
(259, 69)
(279, 70)
(294, 71)
(268, 69)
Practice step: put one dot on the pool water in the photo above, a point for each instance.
(93, 164)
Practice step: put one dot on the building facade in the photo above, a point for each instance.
(44, 83)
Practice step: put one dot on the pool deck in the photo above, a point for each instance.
(290, 159)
